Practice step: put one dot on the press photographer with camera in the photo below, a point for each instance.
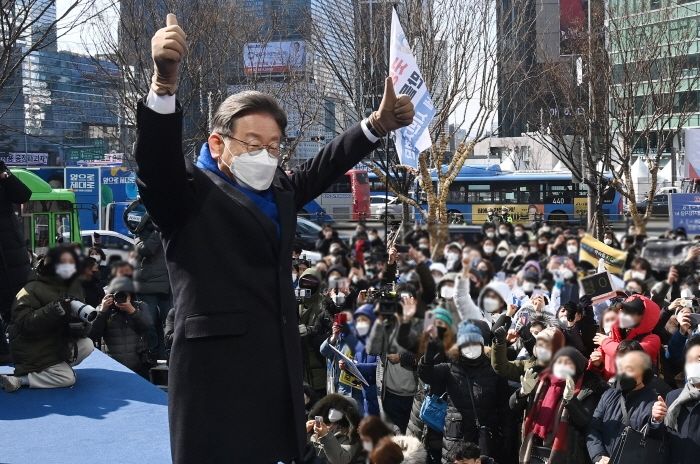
(122, 326)
(49, 325)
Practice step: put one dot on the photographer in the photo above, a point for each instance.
(314, 328)
(45, 340)
(122, 326)
(395, 336)
(14, 261)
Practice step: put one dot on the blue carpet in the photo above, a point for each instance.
(111, 415)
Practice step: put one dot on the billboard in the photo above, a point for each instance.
(573, 20)
(85, 182)
(118, 185)
(684, 211)
(274, 57)
(25, 159)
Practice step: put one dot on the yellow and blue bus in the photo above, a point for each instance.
(529, 196)
(50, 216)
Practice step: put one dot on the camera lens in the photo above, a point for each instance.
(120, 297)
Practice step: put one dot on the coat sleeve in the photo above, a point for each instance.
(676, 346)
(16, 191)
(433, 375)
(499, 361)
(99, 325)
(464, 303)
(149, 245)
(315, 176)
(162, 175)
(141, 319)
(33, 319)
(427, 282)
(594, 440)
(335, 452)
(376, 340)
(409, 336)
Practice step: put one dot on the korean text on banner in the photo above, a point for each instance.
(593, 250)
(411, 140)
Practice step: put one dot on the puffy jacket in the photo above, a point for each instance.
(341, 447)
(511, 370)
(123, 335)
(150, 273)
(39, 336)
(642, 332)
(317, 327)
(684, 443)
(14, 260)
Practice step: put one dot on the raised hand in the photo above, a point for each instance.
(659, 410)
(394, 112)
(168, 49)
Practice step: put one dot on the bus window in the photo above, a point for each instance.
(42, 238)
(503, 194)
(361, 178)
(458, 193)
(530, 193)
(479, 193)
(62, 227)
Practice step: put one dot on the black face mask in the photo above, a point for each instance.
(441, 332)
(625, 383)
(474, 291)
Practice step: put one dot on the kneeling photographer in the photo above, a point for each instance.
(395, 337)
(49, 325)
(122, 326)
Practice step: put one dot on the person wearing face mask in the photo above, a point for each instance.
(634, 395)
(90, 278)
(446, 289)
(478, 397)
(489, 231)
(438, 270)
(520, 236)
(572, 249)
(491, 301)
(43, 340)
(558, 409)
(314, 327)
(327, 237)
(335, 440)
(683, 417)
(611, 240)
(546, 342)
(640, 270)
(453, 253)
(99, 256)
(504, 231)
(637, 319)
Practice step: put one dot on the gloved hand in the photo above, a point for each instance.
(59, 308)
(168, 49)
(500, 335)
(528, 382)
(394, 112)
(432, 350)
(569, 389)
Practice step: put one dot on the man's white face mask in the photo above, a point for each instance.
(253, 171)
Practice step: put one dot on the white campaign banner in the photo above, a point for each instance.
(403, 69)
(692, 148)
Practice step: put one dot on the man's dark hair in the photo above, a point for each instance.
(242, 104)
(374, 428)
(464, 450)
(692, 341)
(627, 346)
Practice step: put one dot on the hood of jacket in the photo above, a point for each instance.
(501, 288)
(650, 318)
(342, 404)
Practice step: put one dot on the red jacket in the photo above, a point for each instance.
(649, 341)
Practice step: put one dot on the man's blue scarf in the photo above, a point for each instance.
(265, 200)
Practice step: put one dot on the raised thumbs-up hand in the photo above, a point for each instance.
(659, 410)
(394, 112)
(168, 48)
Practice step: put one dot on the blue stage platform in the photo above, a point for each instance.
(111, 415)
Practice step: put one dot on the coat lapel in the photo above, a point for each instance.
(242, 199)
(284, 197)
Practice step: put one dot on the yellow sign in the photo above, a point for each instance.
(580, 207)
(519, 213)
(592, 250)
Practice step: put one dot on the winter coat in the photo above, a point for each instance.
(317, 327)
(684, 443)
(343, 446)
(642, 333)
(579, 412)
(490, 395)
(123, 335)
(511, 370)
(150, 272)
(431, 439)
(229, 264)
(39, 335)
(398, 339)
(606, 428)
(14, 259)
(94, 292)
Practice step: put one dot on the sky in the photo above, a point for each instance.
(78, 39)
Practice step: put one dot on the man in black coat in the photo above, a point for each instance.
(14, 258)
(227, 224)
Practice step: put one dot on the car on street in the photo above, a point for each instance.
(659, 205)
(379, 207)
(307, 233)
(116, 246)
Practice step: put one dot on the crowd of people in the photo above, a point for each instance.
(494, 353)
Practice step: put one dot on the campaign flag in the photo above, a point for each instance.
(592, 251)
(403, 69)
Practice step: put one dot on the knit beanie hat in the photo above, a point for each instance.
(443, 315)
(468, 333)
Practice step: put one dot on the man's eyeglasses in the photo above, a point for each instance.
(273, 149)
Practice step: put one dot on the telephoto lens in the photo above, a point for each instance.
(121, 297)
(82, 311)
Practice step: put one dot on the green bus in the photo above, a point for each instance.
(50, 216)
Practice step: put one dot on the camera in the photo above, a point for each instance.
(121, 297)
(301, 293)
(82, 311)
(387, 299)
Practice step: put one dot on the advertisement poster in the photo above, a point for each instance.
(684, 211)
(519, 213)
(85, 182)
(118, 185)
(573, 20)
(25, 159)
(274, 57)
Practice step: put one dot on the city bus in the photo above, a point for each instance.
(529, 196)
(347, 199)
(50, 216)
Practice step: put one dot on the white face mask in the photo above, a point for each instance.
(491, 305)
(626, 321)
(566, 273)
(503, 231)
(490, 234)
(641, 275)
(367, 446)
(545, 229)
(502, 253)
(65, 270)
(471, 351)
(339, 298)
(254, 171)
(488, 249)
(687, 293)
(608, 241)
(563, 319)
(447, 292)
(562, 371)
(452, 257)
(533, 250)
(607, 328)
(572, 249)
(362, 328)
(518, 233)
(334, 415)
(528, 286)
(543, 354)
(692, 372)
(97, 258)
